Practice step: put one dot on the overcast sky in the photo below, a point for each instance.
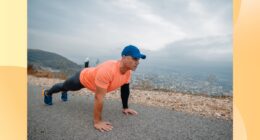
(91, 28)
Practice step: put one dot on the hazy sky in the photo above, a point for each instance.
(194, 29)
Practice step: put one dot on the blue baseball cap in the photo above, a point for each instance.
(133, 51)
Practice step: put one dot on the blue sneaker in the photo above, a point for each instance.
(47, 98)
(64, 96)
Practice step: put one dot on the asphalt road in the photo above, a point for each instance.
(72, 120)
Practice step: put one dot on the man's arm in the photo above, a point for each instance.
(125, 91)
(98, 106)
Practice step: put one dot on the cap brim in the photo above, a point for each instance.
(140, 56)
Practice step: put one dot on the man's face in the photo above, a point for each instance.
(131, 63)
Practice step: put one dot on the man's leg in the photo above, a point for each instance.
(71, 84)
(55, 89)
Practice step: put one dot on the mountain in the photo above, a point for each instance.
(44, 60)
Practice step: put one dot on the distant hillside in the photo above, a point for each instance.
(48, 61)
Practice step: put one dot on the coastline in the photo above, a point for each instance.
(217, 107)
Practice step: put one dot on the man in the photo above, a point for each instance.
(102, 79)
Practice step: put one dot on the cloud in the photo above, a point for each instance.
(199, 52)
(95, 27)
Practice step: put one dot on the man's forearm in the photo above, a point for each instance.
(125, 91)
(98, 106)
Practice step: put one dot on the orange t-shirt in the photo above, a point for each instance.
(106, 75)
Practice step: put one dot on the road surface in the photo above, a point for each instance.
(72, 120)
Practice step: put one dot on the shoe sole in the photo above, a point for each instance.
(43, 92)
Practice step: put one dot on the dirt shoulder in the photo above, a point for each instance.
(219, 107)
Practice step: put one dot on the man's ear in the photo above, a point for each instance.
(124, 57)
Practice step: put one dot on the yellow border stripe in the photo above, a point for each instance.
(13, 63)
(13, 33)
(247, 69)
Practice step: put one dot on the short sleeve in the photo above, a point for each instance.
(103, 78)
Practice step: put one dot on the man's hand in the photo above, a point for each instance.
(129, 111)
(103, 126)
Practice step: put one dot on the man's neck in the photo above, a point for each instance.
(122, 69)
